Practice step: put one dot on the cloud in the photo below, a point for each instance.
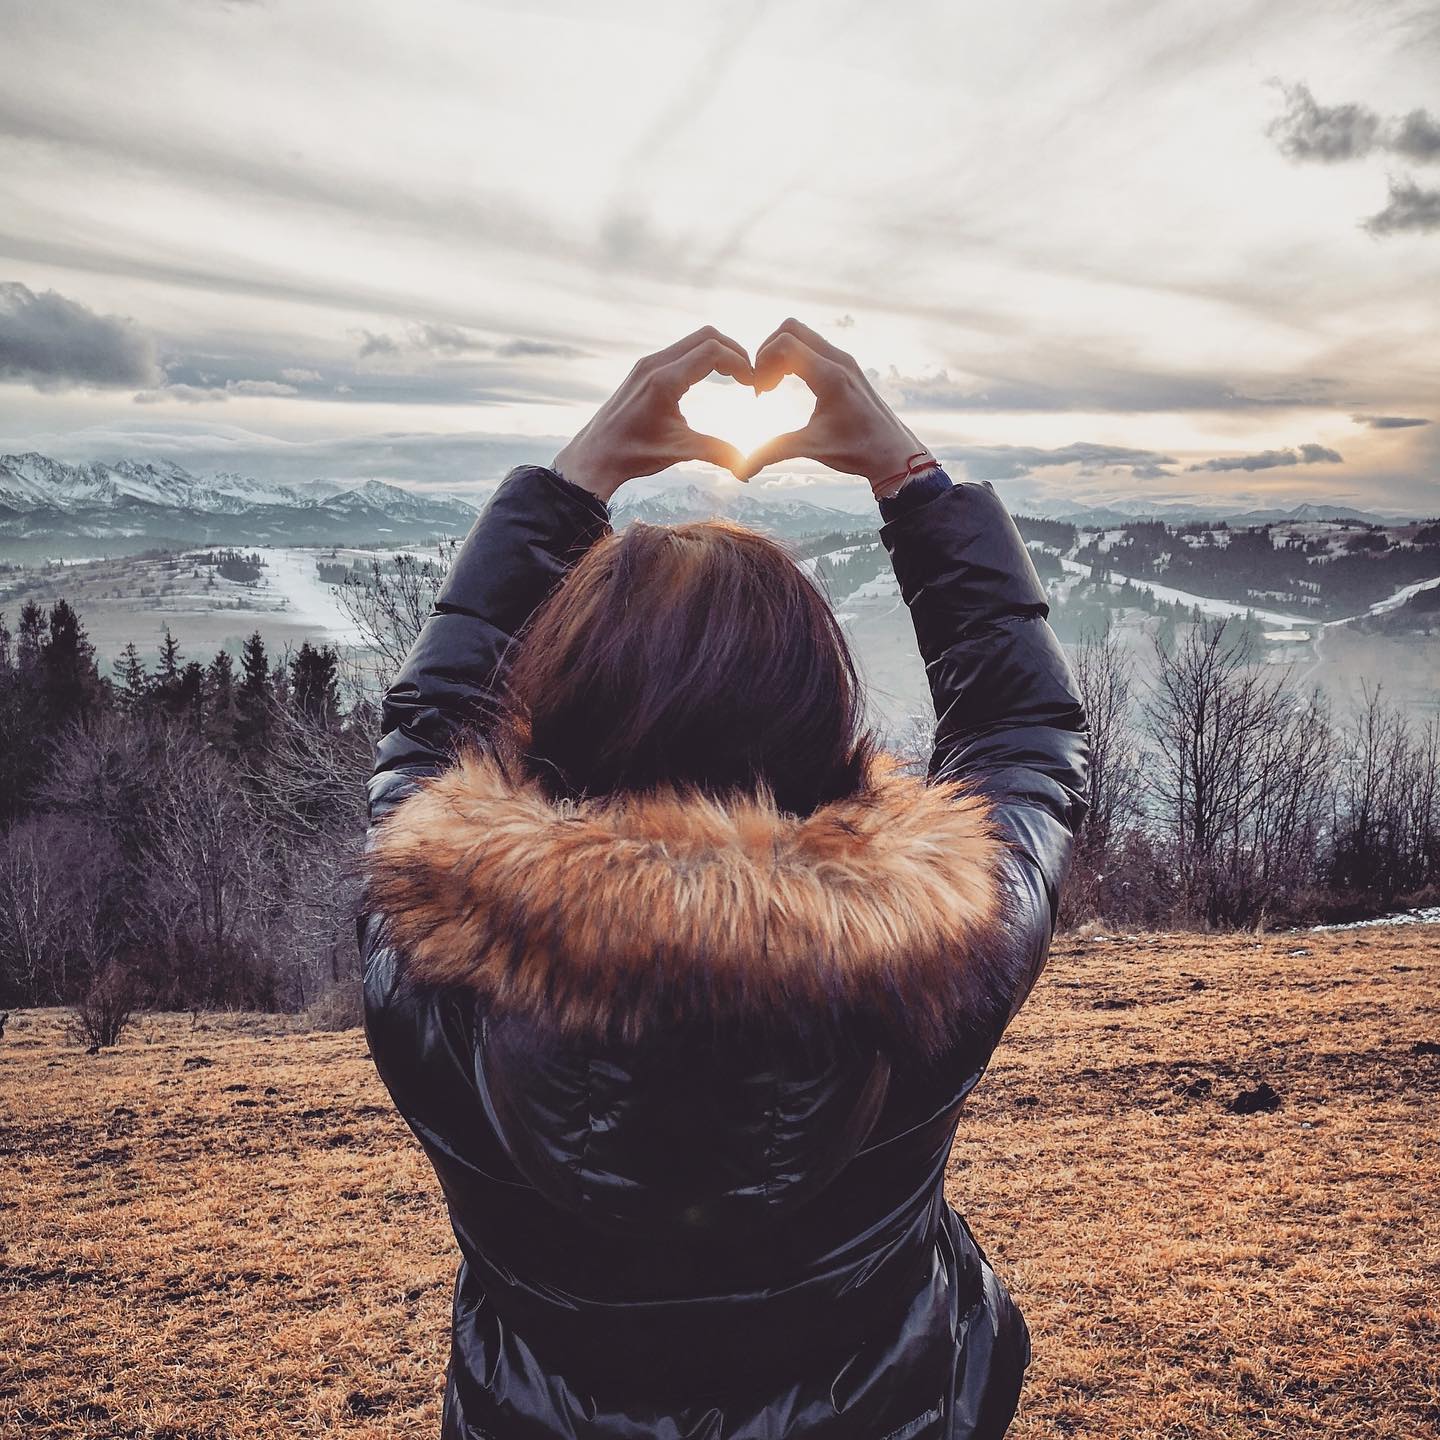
(373, 344)
(430, 338)
(301, 377)
(1272, 459)
(521, 349)
(1011, 462)
(448, 338)
(1417, 137)
(54, 343)
(201, 394)
(1307, 131)
(260, 387)
(1389, 422)
(186, 394)
(1411, 207)
(1091, 382)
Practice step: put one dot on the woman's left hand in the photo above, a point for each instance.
(639, 430)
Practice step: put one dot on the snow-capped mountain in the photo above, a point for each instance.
(57, 508)
(694, 502)
(48, 507)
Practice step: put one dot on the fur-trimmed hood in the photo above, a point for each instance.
(614, 917)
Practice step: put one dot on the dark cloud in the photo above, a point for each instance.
(1309, 131)
(1273, 459)
(1011, 462)
(54, 343)
(1411, 207)
(1389, 422)
(1417, 137)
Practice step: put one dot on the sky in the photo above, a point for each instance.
(1091, 250)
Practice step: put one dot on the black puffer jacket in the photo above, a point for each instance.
(689, 1072)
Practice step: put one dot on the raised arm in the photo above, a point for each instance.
(533, 530)
(1008, 712)
(538, 524)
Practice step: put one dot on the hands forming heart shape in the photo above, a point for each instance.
(640, 429)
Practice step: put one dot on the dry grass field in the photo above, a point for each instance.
(224, 1231)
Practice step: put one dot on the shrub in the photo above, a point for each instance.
(103, 1012)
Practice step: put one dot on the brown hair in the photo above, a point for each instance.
(697, 656)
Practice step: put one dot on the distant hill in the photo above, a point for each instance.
(783, 517)
(61, 509)
(1126, 512)
(51, 508)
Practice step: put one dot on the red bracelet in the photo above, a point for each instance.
(920, 461)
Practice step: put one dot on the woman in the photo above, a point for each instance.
(680, 984)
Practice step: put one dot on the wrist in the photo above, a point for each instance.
(573, 470)
(902, 470)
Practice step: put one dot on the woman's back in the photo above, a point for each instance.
(688, 1065)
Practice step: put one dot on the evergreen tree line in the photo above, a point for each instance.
(179, 836)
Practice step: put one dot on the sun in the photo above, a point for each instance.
(732, 411)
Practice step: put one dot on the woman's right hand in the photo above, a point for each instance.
(852, 430)
(639, 430)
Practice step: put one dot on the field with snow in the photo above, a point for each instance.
(134, 598)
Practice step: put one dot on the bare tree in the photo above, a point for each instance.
(390, 602)
(309, 800)
(1236, 773)
(1387, 802)
(33, 883)
(1104, 673)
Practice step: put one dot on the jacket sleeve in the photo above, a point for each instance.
(533, 530)
(1008, 714)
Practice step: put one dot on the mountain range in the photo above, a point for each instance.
(54, 508)
(1125, 512)
(49, 508)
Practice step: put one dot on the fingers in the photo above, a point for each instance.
(661, 358)
(706, 358)
(786, 354)
(697, 446)
(816, 341)
(793, 445)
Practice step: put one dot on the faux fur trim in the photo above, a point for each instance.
(613, 917)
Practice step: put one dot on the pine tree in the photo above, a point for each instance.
(190, 695)
(134, 682)
(313, 683)
(167, 673)
(71, 682)
(223, 709)
(255, 697)
(30, 638)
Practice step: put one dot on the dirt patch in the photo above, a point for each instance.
(253, 1245)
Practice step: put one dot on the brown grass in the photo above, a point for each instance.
(254, 1246)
